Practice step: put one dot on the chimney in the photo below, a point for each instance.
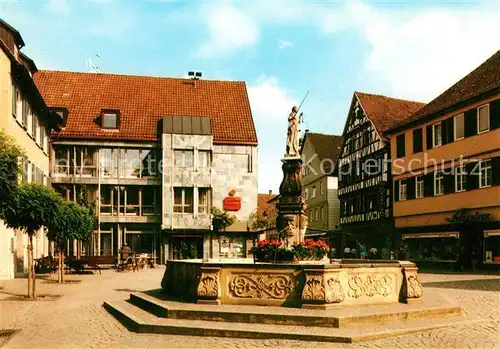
(270, 192)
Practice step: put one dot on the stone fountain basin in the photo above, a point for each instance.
(308, 284)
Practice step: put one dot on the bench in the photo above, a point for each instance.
(95, 262)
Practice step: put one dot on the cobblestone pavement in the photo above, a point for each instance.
(78, 320)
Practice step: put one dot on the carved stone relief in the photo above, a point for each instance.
(314, 288)
(411, 285)
(209, 285)
(335, 292)
(370, 285)
(261, 286)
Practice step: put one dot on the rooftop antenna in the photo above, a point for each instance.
(194, 76)
(94, 67)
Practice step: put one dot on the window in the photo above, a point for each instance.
(306, 193)
(316, 214)
(483, 113)
(321, 189)
(183, 158)
(204, 159)
(131, 163)
(183, 200)
(417, 141)
(18, 105)
(460, 178)
(204, 200)
(400, 145)
(110, 119)
(34, 126)
(26, 112)
(63, 114)
(402, 191)
(313, 194)
(132, 201)
(485, 173)
(438, 183)
(149, 159)
(149, 198)
(45, 140)
(108, 160)
(85, 161)
(436, 135)
(322, 212)
(14, 100)
(458, 122)
(419, 187)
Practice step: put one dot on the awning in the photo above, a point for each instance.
(447, 234)
(492, 233)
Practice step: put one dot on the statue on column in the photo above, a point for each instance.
(292, 139)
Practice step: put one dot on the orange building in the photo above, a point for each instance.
(446, 171)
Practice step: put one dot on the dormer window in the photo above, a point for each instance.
(63, 114)
(110, 119)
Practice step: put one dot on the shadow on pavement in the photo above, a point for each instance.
(478, 285)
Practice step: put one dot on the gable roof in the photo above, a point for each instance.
(481, 80)
(263, 203)
(143, 101)
(326, 146)
(385, 112)
(13, 31)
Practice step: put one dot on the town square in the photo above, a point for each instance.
(249, 174)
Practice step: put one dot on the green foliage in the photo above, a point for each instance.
(260, 222)
(32, 207)
(91, 206)
(74, 222)
(221, 219)
(10, 170)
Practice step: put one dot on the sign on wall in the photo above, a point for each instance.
(232, 202)
(463, 215)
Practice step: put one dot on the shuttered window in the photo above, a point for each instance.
(437, 137)
(470, 123)
(438, 183)
(419, 187)
(460, 179)
(400, 145)
(417, 140)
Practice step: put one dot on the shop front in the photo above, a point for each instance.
(492, 246)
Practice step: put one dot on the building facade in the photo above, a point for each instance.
(25, 117)
(365, 179)
(320, 154)
(446, 166)
(154, 155)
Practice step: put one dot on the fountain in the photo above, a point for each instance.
(308, 284)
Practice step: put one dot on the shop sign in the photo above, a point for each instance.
(463, 215)
(231, 202)
(489, 256)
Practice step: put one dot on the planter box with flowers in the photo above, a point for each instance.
(276, 251)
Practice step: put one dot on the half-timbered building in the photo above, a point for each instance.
(364, 170)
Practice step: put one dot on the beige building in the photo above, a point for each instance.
(320, 153)
(25, 117)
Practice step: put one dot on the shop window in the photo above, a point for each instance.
(204, 159)
(483, 122)
(183, 158)
(460, 179)
(183, 200)
(438, 183)
(232, 247)
(485, 173)
(204, 200)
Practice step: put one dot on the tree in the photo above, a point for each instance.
(32, 206)
(221, 219)
(74, 222)
(265, 220)
(10, 171)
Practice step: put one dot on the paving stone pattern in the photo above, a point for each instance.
(78, 320)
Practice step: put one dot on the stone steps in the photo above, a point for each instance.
(145, 313)
(339, 318)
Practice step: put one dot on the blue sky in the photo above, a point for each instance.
(411, 50)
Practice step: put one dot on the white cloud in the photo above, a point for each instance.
(59, 7)
(271, 104)
(230, 29)
(284, 44)
(419, 56)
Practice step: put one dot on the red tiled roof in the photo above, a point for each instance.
(385, 112)
(263, 203)
(483, 79)
(326, 146)
(143, 101)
